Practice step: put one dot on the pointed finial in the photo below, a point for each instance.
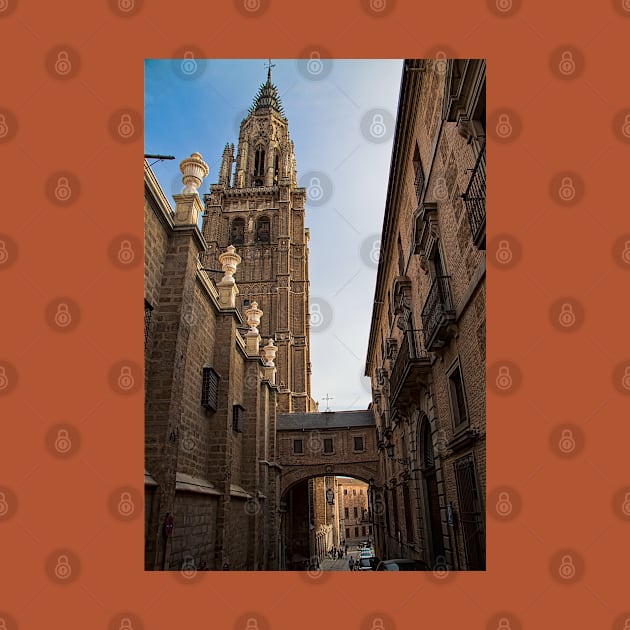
(269, 66)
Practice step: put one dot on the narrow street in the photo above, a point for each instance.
(339, 564)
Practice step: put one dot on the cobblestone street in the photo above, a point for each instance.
(340, 564)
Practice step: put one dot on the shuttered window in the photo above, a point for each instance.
(210, 389)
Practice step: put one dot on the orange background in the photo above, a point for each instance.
(567, 377)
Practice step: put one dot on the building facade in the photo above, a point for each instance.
(257, 207)
(426, 353)
(221, 357)
(354, 516)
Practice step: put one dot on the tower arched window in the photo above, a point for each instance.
(259, 162)
(237, 232)
(263, 232)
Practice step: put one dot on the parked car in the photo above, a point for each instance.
(403, 564)
(367, 563)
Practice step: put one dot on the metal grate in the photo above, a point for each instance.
(475, 197)
(470, 513)
(435, 308)
(148, 310)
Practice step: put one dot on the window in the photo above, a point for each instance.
(354, 492)
(237, 232)
(369, 529)
(237, 418)
(358, 443)
(210, 389)
(363, 532)
(458, 398)
(328, 445)
(408, 514)
(345, 490)
(259, 162)
(361, 491)
(148, 309)
(298, 446)
(356, 532)
(347, 532)
(418, 174)
(356, 512)
(262, 230)
(346, 513)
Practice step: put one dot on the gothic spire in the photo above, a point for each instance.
(267, 97)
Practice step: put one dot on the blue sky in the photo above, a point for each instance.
(341, 118)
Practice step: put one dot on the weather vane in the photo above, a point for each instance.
(327, 398)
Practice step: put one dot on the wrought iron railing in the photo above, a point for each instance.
(475, 198)
(437, 308)
(410, 349)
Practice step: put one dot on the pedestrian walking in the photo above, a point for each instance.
(351, 563)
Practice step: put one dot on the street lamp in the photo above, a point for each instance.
(389, 448)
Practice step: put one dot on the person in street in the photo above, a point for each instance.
(351, 563)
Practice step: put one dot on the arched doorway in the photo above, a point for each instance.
(433, 522)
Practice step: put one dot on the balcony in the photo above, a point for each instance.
(410, 368)
(438, 314)
(475, 200)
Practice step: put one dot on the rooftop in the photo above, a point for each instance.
(325, 420)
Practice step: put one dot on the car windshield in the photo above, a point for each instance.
(365, 562)
(402, 566)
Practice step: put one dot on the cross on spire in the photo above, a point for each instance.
(327, 398)
(269, 66)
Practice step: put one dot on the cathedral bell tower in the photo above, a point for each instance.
(257, 207)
